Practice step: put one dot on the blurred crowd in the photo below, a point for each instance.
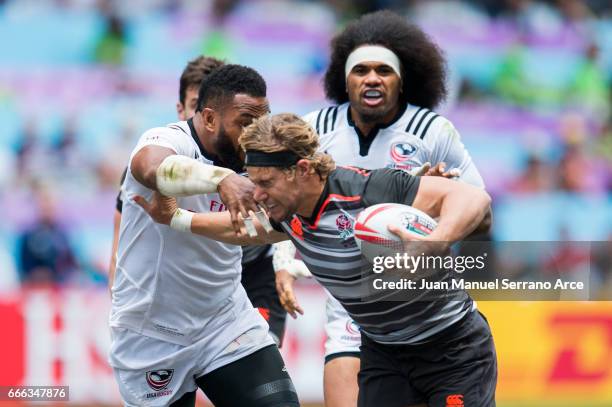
(81, 79)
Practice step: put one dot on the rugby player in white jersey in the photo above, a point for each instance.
(189, 85)
(257, 270)
(386, 75)
(180, 318)
(417, 351)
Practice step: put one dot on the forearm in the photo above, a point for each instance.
(162, 170)
(284, 259)
(460, 214)
(485, 225)
(218, 226)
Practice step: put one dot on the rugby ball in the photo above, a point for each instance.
(372, 235)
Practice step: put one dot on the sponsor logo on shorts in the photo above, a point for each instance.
(352, 327)
(159, 379)
(454, 400)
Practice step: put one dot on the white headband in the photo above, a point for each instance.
(372, 53)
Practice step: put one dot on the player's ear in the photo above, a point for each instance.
(209, 118)
(180, 111)
(302, 168)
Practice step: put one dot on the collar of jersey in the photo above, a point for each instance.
(206, 154)
(315, 212)
(365, 141)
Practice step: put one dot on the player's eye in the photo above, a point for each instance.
(384, 70)
(360, 70)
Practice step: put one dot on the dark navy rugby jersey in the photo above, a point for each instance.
(327, 246)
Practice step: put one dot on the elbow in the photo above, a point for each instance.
(486, 201)
(487, 220)
(146, 175)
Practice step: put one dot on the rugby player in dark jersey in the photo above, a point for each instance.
(412, 354)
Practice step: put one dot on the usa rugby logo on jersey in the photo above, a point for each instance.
(400, 152)
(159, 379)
(352, 327)
(345, 226)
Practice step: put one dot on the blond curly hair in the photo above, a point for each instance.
(286, 132)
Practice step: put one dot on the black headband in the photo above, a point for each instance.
(282, 159)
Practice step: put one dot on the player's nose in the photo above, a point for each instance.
(259, 194)
(372, 78)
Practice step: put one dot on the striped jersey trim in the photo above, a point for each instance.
(326, 119)
(331, 198)
(420, 122)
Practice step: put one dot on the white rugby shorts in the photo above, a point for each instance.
(153, 372)
(343, 334)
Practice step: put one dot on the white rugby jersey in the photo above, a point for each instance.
(170, 284)
(414, 137)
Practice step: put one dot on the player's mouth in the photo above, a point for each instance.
(372, 98)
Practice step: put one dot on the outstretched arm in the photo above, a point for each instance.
(214, 225)
(161, 169)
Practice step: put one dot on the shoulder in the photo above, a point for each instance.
(382, 175)
(421, 122)
(173, 136)
(325, 120)
(180, 128)
(347, 180)
(390, 185)
(172, 131)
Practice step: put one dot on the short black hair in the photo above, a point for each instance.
(195, 72)
(226, 82)
(423, 63)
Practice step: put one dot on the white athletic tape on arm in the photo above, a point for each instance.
(284, 259)
(372, 53)
(181, 220)
(179, 175)
(264, 221)
(250, 227)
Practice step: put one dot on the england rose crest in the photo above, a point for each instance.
(345, 226)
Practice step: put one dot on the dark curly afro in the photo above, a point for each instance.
(423, 63)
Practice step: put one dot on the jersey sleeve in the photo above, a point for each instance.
(311, 118)
(164, 137)
(390, 186)
(445, 145)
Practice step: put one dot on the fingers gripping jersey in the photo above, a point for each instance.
(416, 136)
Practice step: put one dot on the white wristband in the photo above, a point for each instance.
(181, 220)
(179, 175)
(284, 259)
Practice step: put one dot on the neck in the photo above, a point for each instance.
(366, 126)
(205, 138)
(311, 196)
